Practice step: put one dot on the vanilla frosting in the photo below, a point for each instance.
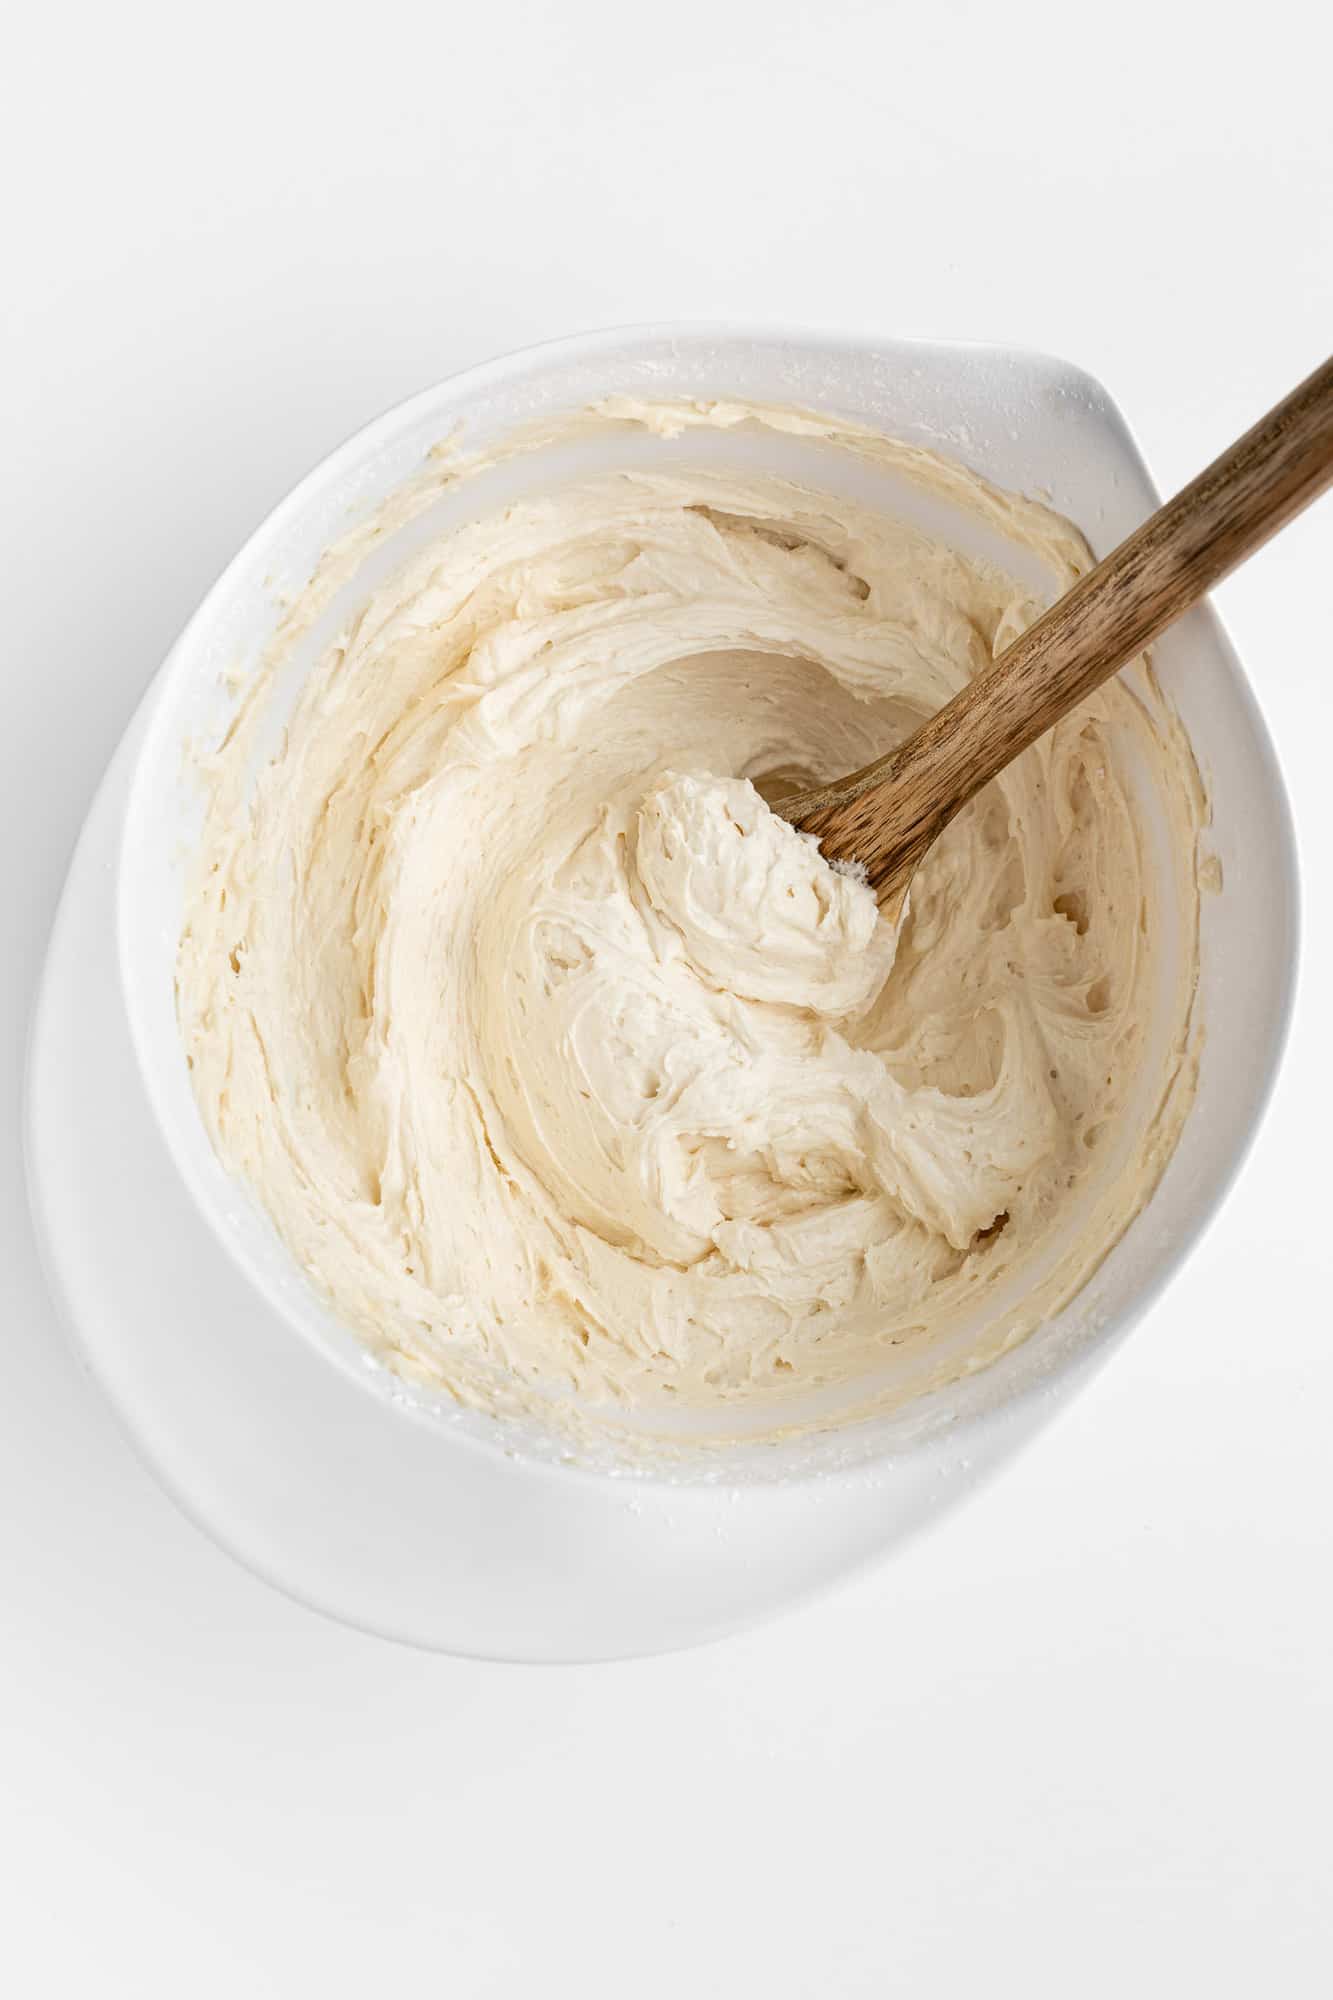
(574, 1077)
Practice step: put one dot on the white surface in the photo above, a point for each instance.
(1080, 1736)
(233, 1379)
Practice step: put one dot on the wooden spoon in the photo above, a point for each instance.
(889, 814)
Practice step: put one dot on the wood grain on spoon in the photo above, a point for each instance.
(889, 814)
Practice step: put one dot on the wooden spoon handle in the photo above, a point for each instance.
(887, 815)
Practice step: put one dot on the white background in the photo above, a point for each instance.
(1078, 1740)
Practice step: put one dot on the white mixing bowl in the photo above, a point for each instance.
(622, 1574)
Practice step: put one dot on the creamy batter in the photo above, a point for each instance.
(575, 1078)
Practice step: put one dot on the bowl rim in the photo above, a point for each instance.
(1018, 1389)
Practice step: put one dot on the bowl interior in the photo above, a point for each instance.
(1023, 422)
